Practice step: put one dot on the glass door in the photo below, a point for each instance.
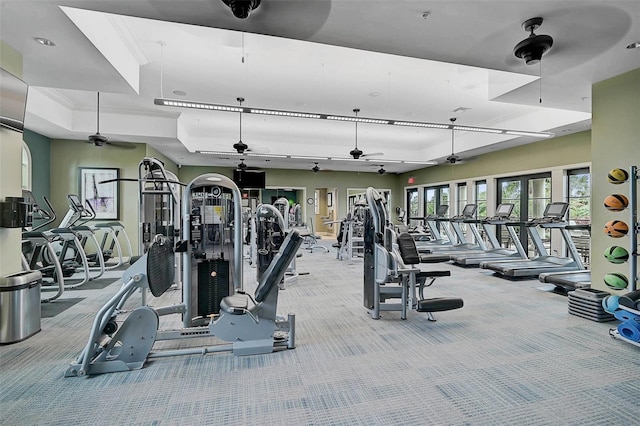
(530, 194)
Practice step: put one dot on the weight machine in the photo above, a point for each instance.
(389, 268)
(248, 325)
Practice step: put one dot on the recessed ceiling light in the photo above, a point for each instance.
(374, 94)
(426, 14)
(44, 41)
(180, 93)
(634, 45)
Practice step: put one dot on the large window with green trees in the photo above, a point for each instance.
(413, 207)
(579, 199)
(462, 197)
(579, 195)
(481, 198)
(434, 197)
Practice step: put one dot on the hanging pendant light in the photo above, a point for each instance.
(240, 146)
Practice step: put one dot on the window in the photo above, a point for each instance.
(434, 197)
(413, 208)
(578, 194)
(481, 198)
(462, 197)
(579, 199)
(26, 167)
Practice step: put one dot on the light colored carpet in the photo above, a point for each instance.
(511, 356)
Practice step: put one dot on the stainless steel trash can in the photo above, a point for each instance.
(19, 306)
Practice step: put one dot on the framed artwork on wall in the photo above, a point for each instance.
(103, 197)
(329, 199)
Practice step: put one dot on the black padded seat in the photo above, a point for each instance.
(433, 274)
(439, 304)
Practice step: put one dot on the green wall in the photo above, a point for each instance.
(284, 178)
(40, 147)
(10, 172)
(558, 151)
(68, 155)
(616, 144)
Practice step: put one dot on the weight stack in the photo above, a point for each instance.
(587, 303)
(213, 285)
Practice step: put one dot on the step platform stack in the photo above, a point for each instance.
(587, 303)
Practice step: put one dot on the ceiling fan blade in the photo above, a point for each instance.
(372, 154)
(122, 145)
(259, 149)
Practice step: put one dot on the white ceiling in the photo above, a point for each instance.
(315, 56)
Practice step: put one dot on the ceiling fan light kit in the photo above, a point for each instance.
(242, 8)
(533, 47)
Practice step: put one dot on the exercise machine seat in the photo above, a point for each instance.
(439, 304)
(410, 256)
(237, 303)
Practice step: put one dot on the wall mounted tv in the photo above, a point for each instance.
(254, 179)
(13, 101)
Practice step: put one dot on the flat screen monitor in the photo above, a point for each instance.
(13, 96)
(442, 209)
(504, 210)
(253, 179)
(556, 210)
(469, 210)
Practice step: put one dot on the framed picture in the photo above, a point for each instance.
(103, 197)
(329, 199)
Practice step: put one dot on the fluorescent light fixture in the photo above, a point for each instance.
(282, 113)
(418, 124)
(252, 154)
(219, 153)
(534, 134)
(477, 129)
(245, 154)
(356, 119)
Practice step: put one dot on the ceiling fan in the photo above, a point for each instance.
(100, 140)
(243, 166)
(357, 153)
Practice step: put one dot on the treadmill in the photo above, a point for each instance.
(503, 213)
(426, 241)
(569, 280)
(442, 253)
(553, 217)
